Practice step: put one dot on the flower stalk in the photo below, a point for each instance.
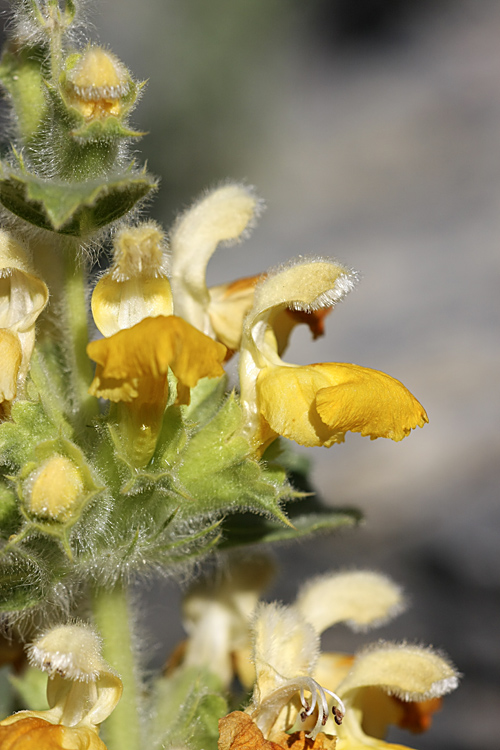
(114, 620)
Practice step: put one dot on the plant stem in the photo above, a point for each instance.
(122, 728)
(75, 313)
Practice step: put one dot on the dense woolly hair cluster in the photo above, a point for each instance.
(30, 22)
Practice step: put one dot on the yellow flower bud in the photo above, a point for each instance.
(97, 84)
(54, 489)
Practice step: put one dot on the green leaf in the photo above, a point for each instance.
(22, 583)
(109, 129)
(172, 439)
(73, 209)
(244, 529)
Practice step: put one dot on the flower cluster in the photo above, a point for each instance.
(297, 691)
(151, 325)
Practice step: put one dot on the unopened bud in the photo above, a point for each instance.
(53, 490)
(97, 84)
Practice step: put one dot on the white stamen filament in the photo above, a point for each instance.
(268, 710)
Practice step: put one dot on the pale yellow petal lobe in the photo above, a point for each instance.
(411, 673)
(360, 598)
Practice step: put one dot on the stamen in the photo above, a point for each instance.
(268, 710)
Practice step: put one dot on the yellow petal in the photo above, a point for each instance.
(360, 598)
(11, 356)
(122, 304)
(53, 490)
(370, 743)
(317, 404)
(304, 285)
(31, 732)
(411, 673)
(286, 400)
(98, 84)
(136, 287)
(332, 668)
(229, 303)
(222, 215)
(134, 359)
(216, 614)
(369, 402)
(285, 646)
(82, 687)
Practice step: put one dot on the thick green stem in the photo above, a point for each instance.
(75, 314)
(122, 729)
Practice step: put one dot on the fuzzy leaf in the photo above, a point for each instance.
(74, 209)
(243, 529)
(28, 427)
(219, 475)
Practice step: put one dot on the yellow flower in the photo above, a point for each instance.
(378, 687)
(23, 296)
(136, 286)
(82, 691)
(132, 369)
(223, 215)
(313, 404)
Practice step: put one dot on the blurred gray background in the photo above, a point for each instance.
(372, 130)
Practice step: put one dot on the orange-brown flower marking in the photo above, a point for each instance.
(231, 302)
